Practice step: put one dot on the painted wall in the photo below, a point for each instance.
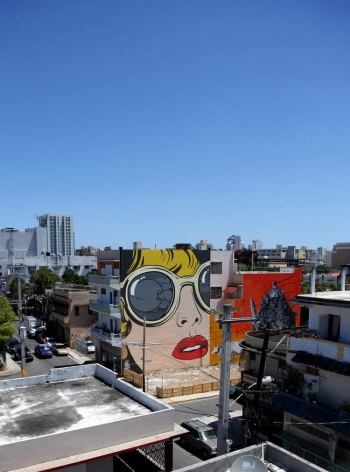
(263, 296)
(165, 304)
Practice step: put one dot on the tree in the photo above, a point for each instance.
(7, 317)
(13, 288)
(319, 287)
(43, 279)
(70, 277)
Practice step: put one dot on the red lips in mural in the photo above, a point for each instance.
(191, 348)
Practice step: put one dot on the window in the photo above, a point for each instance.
(329, 327)
(103, 291)
(76, 311)
(215, 292)
(216, 268)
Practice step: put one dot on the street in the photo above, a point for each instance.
(205, 408)
(42, 366)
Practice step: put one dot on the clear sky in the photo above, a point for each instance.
(166, 121)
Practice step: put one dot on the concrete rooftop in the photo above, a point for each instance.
(76, 414)
(39, 410)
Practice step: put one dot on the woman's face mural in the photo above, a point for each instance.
(168, 291)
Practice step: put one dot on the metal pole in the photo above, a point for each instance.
(22, 329)
(223, 418)
(144, 356)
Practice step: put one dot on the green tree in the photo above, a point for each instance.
(242, 267)
(70, 277)
(305, 287)
(43, 279)
(7, 317)
(319, 287)
(13, 288)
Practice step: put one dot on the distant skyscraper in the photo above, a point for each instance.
(234, 243)
(60, 234)
(256, 245)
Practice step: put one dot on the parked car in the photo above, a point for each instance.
(40, 335)
(90, 347)
(11, 344)
(49, 340)
(200, 437)
(43, 351)
(59, 349)
(17, 353)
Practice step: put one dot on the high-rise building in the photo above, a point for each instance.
(234, 243)
(60, 234)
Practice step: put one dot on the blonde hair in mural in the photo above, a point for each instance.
(182, 262)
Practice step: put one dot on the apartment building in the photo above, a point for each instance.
(59, 234)
(51, 244)
(69, 315)
(161, 298)
(309, 402)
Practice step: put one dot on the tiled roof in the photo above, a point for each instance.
(321, 362)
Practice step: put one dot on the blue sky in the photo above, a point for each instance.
(168, 121)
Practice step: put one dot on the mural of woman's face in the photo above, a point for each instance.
(175, 307)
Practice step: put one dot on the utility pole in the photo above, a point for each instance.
(223, 419)
(252, 423)
(225, 321)
(144, 355)
(22, 328)
(143, 346)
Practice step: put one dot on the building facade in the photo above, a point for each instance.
(309, 406)
(161, 299)
(59, 234)
(69, 315)
(23, 252)
(340, 255)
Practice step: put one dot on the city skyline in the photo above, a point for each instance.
(170, 122)
(242, 243)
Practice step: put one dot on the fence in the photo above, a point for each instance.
(161, 392)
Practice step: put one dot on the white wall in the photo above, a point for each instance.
(314, 320)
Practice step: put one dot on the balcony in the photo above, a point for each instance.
(114, 339)
(103, 307)
(312, 412)
(105, 280)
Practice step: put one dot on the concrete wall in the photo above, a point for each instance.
(315, 312)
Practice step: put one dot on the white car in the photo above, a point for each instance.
(59, 349)
(90, 347)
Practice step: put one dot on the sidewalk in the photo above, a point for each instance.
(12, 368)
(79, 356)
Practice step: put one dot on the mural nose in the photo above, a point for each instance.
(194, 322)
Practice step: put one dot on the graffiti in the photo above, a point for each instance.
(168, 291)
(274, 312)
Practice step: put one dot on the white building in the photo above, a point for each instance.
(59, 233)
(22, 252)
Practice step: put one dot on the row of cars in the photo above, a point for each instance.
(48, 349)
(45, 349)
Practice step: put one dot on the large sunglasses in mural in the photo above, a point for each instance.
(153, 292)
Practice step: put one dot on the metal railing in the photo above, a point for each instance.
(340, 421)
(112, 338)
